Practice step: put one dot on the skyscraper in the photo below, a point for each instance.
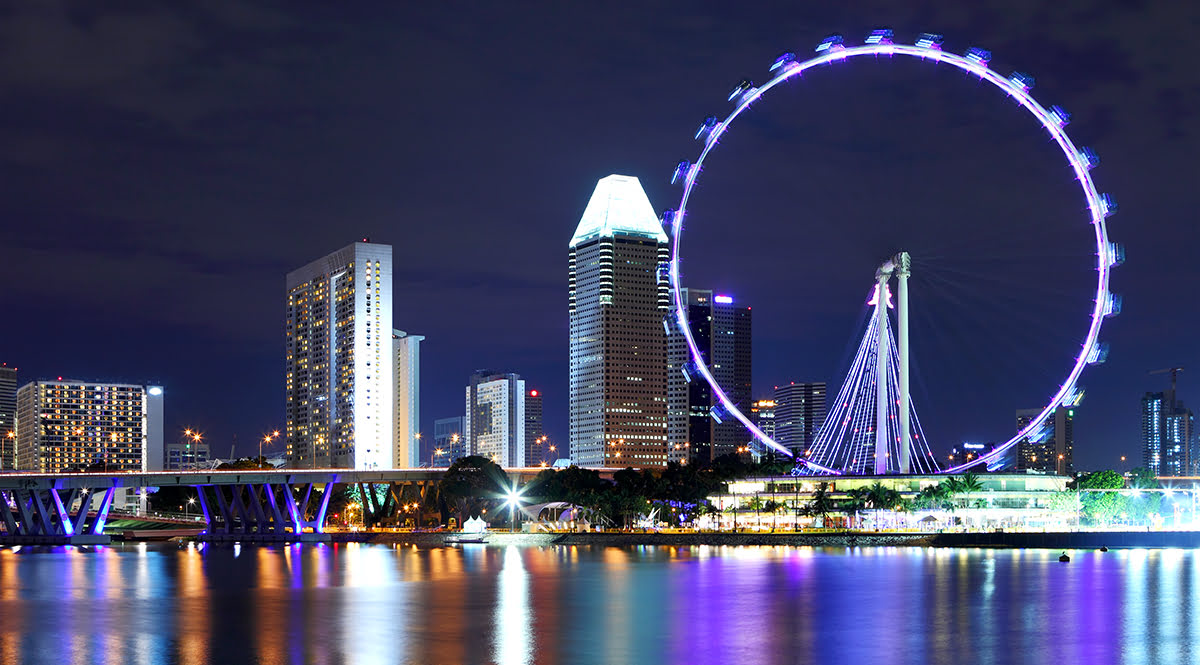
(406, 350)
(1054, 449)
(535, 444)
(762, 414)
(449, 439)
(618, 298)
(340, 367)
(73, 425)
(799, 414)
(495, 420)
(8, 417)
(1168, 435)
(697, 428)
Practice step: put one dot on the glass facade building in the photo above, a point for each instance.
(618, 298)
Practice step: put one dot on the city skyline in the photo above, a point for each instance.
(220, 311)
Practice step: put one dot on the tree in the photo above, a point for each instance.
(471, 484)
(1143, 478)
(1099, 501)
(821, 504)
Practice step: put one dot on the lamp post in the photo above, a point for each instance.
(513, 499)
(190, 502)
(267, 439)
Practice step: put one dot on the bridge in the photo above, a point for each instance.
(261, 505)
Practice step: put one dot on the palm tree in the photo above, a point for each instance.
(821, 504)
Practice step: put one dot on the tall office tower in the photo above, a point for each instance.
(799, 414)
(1053, 450)
(406, 349)
(731, 359)
(618, 298)
(71, 425)
(1168, 445)
(696, 430)
(8, 417)
(762, 414)
(495, 421)
(689, 399)
(449, 438)
(340, 369)
(535, 444)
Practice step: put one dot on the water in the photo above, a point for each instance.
(378, 604)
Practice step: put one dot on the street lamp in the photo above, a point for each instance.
(190, 502)
(267, 439)
(437, 452)
(512, 500)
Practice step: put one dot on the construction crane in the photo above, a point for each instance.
(1174, 372)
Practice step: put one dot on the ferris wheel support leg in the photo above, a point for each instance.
(902, 343)
(881, 367)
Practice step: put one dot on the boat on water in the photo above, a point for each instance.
(466, 538)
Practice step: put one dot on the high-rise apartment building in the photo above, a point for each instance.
(72, 425)
(406, 350)
(495, 420)
(697, 428)
(536, 449)
(1053, 450)
(449, 441)
(340, 361)
(1168, 435)
(618, 298)
(799, 414)
(8, 417)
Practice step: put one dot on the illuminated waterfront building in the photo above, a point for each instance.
(799, 414)
(1053, 450)
(406, 350)
(8, 417)
(340, 361)
(721, 330)
(495, 420)
(618, 299)
(73, 425)
(535, 441)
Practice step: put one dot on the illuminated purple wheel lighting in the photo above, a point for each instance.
(1017, 86)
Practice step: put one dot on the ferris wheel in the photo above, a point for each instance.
(927, 47)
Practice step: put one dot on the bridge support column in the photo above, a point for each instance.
(43, 517)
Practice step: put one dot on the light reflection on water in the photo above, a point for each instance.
(377, 604)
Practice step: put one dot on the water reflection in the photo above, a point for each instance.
(566, 605)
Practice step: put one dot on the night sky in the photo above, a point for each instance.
(165, 166)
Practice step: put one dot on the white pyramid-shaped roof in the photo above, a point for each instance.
(619, 205)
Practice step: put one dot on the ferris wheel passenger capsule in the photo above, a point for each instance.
(1060, 116)
(1021, 80)
(1089, 157)
(784, 60)
(1109, 204)
(930, 40)
(1099, 354)
(834, 42)
(1073, 398)
(1116, 254)
(1112, 305)
(880, 36)
(979, 56)
(741, 88)
(707, 126)
(681, 170)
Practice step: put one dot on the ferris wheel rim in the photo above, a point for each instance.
(1051, 120)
